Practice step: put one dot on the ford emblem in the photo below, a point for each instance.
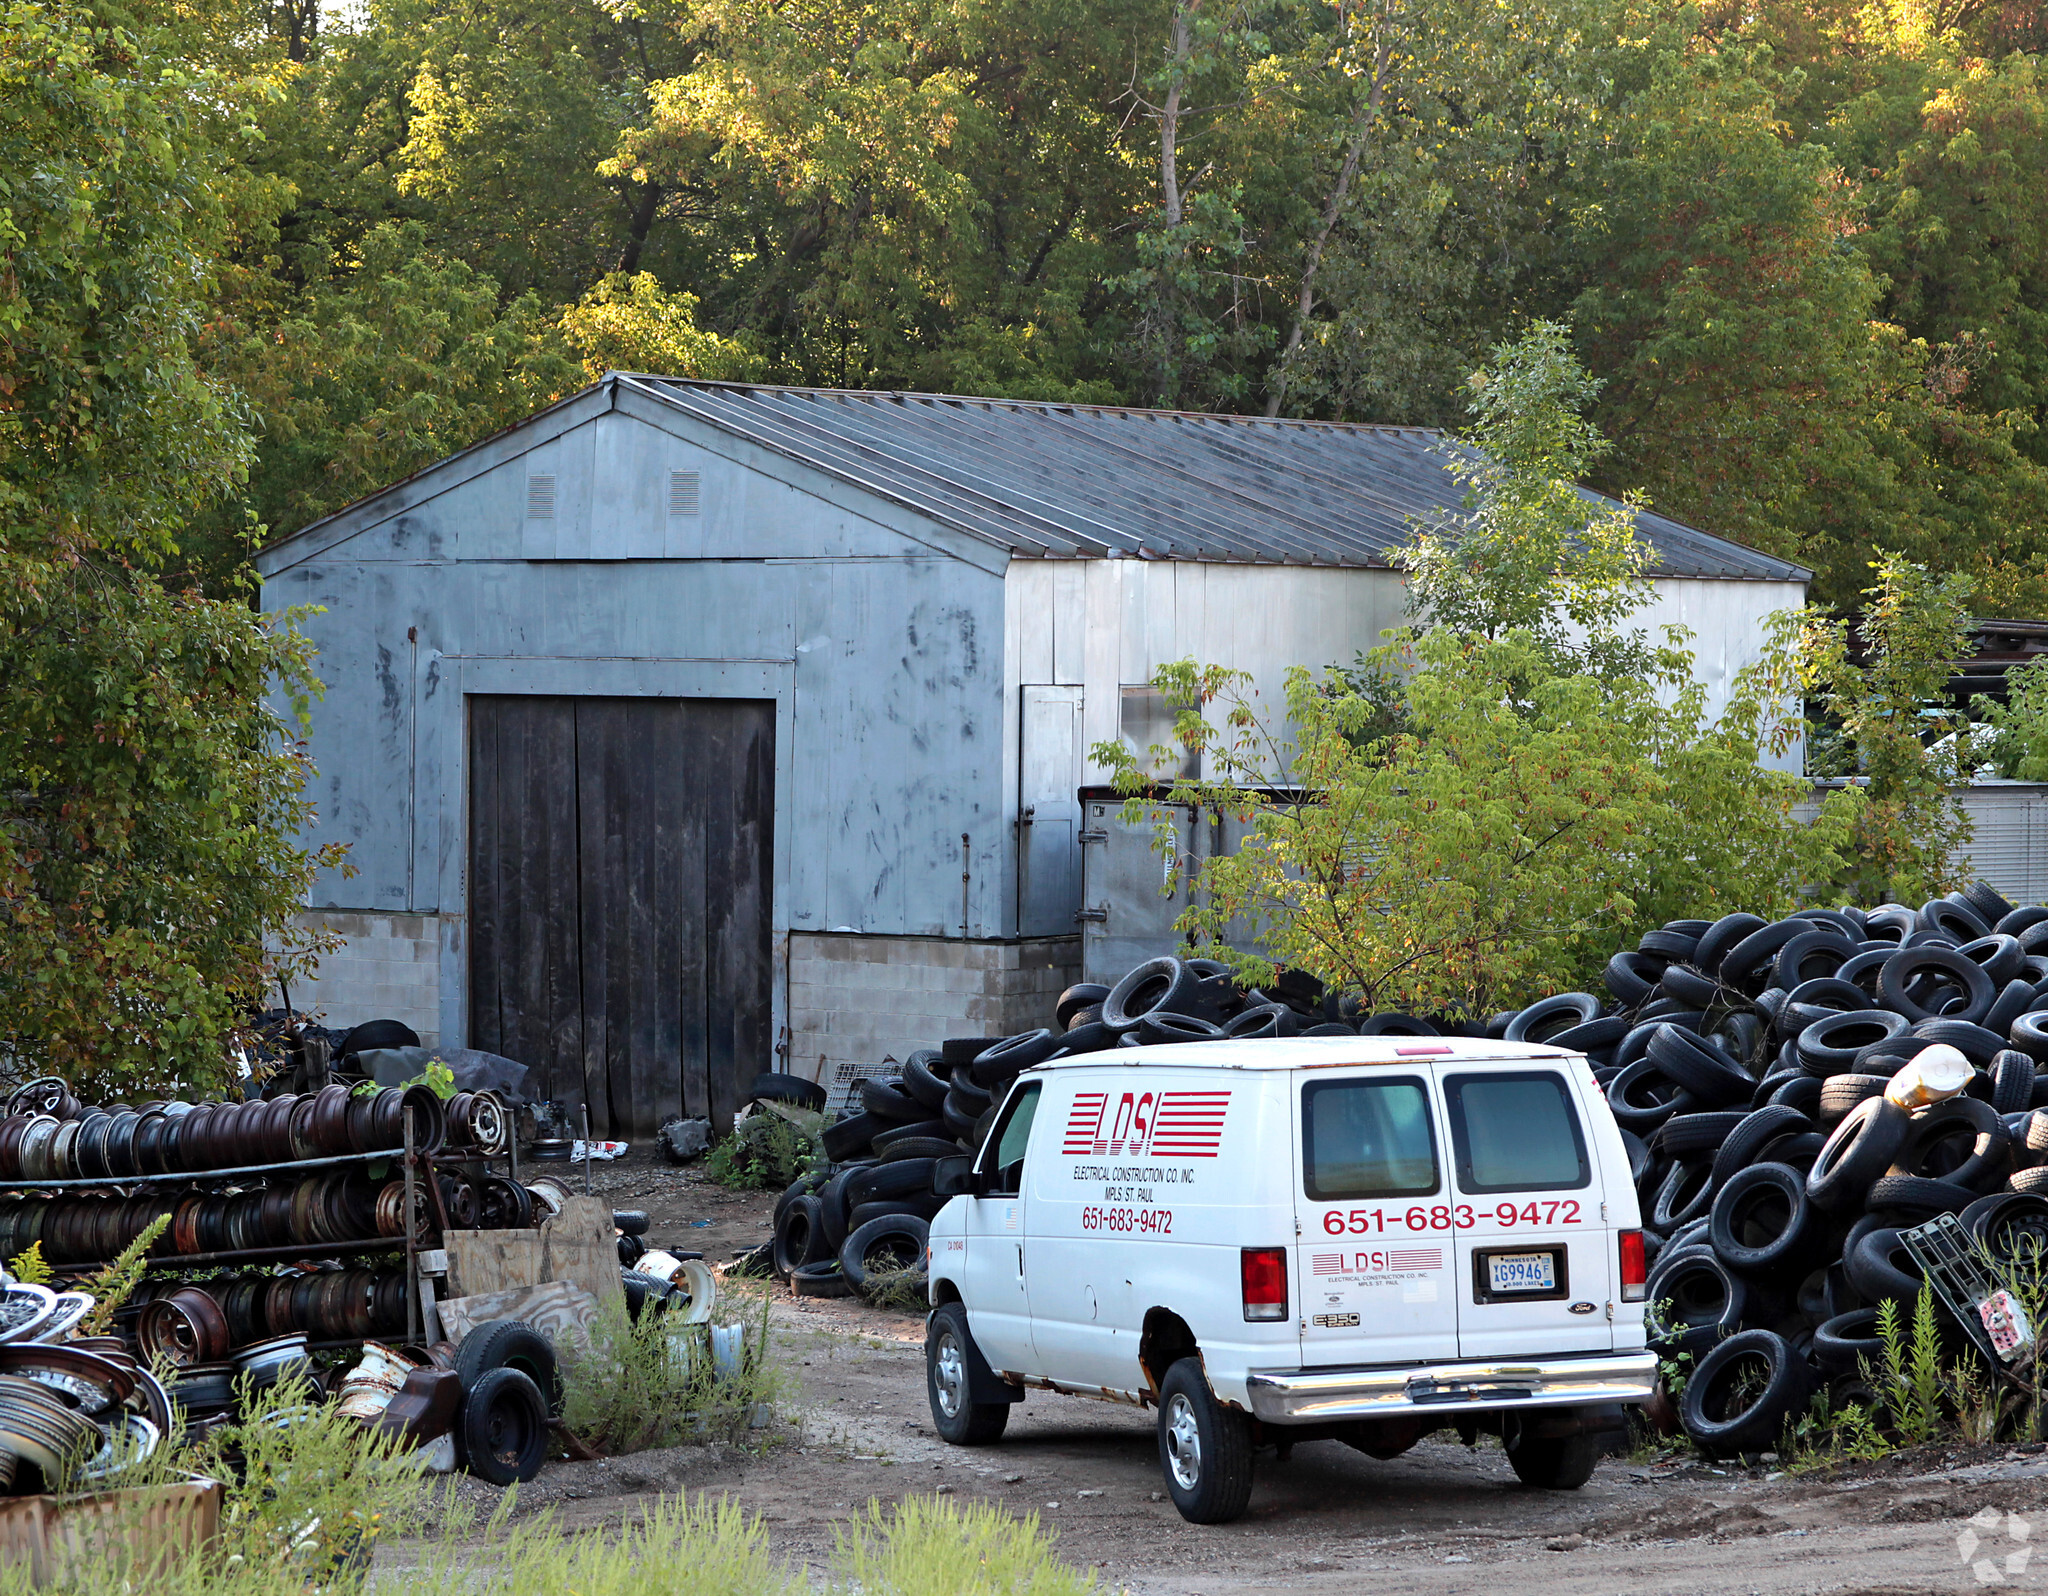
(1582, 1307)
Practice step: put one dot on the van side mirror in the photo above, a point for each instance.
(955, 1177)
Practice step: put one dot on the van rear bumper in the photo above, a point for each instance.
(1302, 1396)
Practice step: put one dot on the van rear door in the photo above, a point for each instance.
(1373, 1264)
(1536, 1270)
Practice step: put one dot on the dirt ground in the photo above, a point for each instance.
(854, 1427)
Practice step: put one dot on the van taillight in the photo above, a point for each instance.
(1264, 1271)
(1635, 1267)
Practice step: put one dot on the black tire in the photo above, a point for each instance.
(821, 1280)
(510, 1344)
(1642, 1097)
(1159, 1029)
(1671, 945)
(2001, 956)
(800, 1237)
(1092, 1037)
(1974, 1042)
(1858, 1151)
(958, 1050)
(1962, 1141)
(1266, 1020)
(971, 1099)
(2012, 1081)
(1205, 1449)
(1013, 1053)
(1595, 1036)
(1986, 901)
(1798, 1090)
(886, 1100)
(1840, 1093)
(504, 1426)
(949, 1352)
(1397, 1024)
(1703, 1071)
(1544, 1018)
(1762, 1220)
(2035, 1135)
(902, 1238)
(1630, 976)
(1686, 1193)
(1681, 983)
(1798, 1151)
(1880, 1268)
(771, 1087)
(1916, 1194)
(1685, 1134)
(1554, 1463)
(1755, 1131)
(2022, 919)
(1722, 935)
(1696, 1299)
(2029, 1033)
(832, 1215)
(1841, 1345)
(877, 1183)
(924, 1208)
(1164, 983)
(1909, 963)
(1956, 918)
(1743, 1391)
(1083, 995)
(1831, 1044)
(851, 1136)
(1812, 956)
(1754, 953)
(920, 1147)
(925, 1130)
(921, 1083)
(2028, 1180)
(2013, 1000)
(960, 1122)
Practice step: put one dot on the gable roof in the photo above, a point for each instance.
(1101, 481)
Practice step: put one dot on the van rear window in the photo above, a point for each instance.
(1367, 1139)
(1516, 1132)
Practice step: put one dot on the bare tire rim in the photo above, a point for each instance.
(1183, 1442)
(949, 1375)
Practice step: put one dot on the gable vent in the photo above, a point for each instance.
(684, 492)
(540, 496)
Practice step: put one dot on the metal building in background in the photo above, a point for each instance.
(690, 729)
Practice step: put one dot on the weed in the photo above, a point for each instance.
(765, 1151)
(905, 1290)
(652, 1381)
(928, 1547)
(30, 1267)
(113, 1285)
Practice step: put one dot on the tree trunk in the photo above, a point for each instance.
(1362, 125)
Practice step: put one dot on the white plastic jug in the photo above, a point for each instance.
(1936, 1072)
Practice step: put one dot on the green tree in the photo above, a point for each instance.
(1885, 719)
(151, 798)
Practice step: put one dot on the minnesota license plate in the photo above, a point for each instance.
(1522, 1271)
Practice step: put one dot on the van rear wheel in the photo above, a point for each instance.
(1205, 1449)
(955, 1415)
(1560, 1464)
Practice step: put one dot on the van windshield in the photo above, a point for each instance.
(1367, 1139)
(1516, 1132)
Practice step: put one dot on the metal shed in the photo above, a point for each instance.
(689, 729)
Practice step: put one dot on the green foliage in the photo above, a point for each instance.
(650, 1382)
(31, 1267)
(1531, 553)
(2017, 747)
(927, 1547)
(151, 796)
(633, 324)
(113, 1285)
(765, 1152)
(1885, 719)
(1914, 1385)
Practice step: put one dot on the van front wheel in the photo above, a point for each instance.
(955, 1415)
(1205, 1449)
(1562, 1464)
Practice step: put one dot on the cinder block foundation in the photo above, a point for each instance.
(389, 969)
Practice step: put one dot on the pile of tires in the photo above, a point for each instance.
(1746, 1062)
(859, 1226)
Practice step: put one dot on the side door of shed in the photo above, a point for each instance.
(1049, 812)
(620, 880)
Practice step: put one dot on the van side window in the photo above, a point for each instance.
(1516, 1132)
(1367, 1139)
(1011, 1135)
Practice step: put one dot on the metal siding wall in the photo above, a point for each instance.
(896, 742)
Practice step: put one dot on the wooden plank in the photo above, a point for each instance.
(581, 1245)
(492, 1260)
(559, 1309)
(740, 811)
(693, 845)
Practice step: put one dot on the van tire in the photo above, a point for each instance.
(1209, 1444)
(949, 1349)
(1560, 1463)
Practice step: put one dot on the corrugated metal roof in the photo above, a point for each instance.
(1092, 480)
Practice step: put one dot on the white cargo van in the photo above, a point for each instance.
(1360, 1238)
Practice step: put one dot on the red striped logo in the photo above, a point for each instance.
(1327, 1263)
(1415, 1258)
(1084, 1122)
(1189, 1124)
